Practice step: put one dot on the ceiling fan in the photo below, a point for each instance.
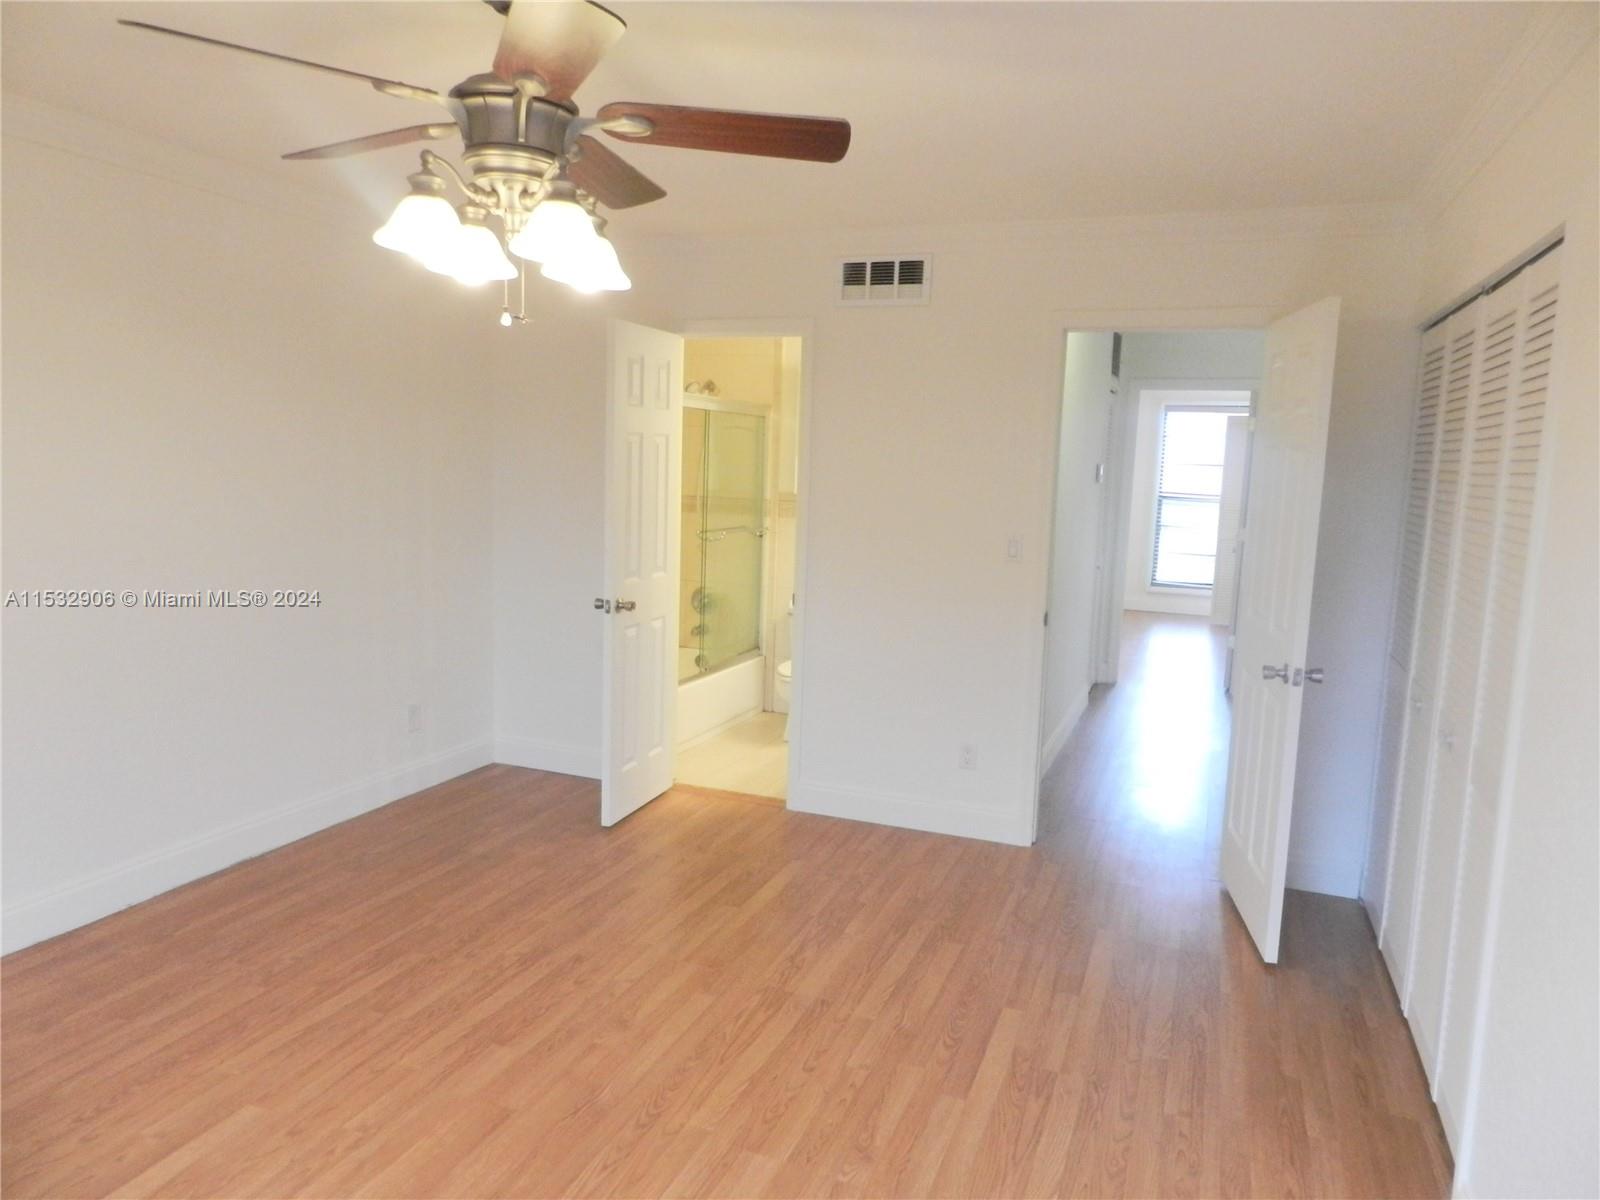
(532, 160)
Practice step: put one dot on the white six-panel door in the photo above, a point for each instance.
(1274, 614)
(644, 432)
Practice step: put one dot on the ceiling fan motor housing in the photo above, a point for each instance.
(512, 135)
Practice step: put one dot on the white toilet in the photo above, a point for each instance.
(781, 688)
(783, 680)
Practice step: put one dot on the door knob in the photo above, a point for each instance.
(1271, 672)
(601, 603)
(1313, 674)
(627, 605)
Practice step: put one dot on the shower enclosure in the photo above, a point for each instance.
(724, 524)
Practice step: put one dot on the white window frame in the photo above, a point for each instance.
(1151, 582)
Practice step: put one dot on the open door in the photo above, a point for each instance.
(1284, 500)
(644, 462)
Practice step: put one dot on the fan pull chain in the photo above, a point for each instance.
(520, 317)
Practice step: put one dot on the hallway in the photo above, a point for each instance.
(1149, 757)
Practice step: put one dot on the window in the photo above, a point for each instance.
(1188, 496)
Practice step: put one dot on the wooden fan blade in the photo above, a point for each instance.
(558, 40)
(379, 141)
(607, 177)
(815, 139)
(392, 87)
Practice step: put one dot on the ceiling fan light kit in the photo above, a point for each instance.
(530, 159)
(423, 223)
(558, 223)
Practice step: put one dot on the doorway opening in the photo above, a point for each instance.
(1136, 412)
(736, 572)
(1151, 472)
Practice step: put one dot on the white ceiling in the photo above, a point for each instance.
(961, 111)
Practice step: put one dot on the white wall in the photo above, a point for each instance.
(206, 390)
(1530, 1123)
(931, 444)
(549, 497)
(1086, 400)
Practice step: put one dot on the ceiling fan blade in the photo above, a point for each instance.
(607, 177)
(392, 87)
(558, 41)
(815, 139)
(379, 141)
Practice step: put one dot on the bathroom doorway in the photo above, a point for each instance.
(737, 565)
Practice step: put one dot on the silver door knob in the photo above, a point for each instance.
(627, 605)
(602, 604)
(1313, 674)
(1271, 672)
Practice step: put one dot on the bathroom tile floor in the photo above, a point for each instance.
(750, 757)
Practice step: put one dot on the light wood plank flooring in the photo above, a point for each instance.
(478, 992)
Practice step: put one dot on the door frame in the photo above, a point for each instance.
(1059, 323)
(803, 328)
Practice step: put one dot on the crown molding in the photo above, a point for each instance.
(30, 120)
(1551, 43)
(1242, 225)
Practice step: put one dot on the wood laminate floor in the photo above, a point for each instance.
(476, 991)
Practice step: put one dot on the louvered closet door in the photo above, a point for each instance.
(1427, 647)
(1403, 622)
(1521, 402)
(1438, 874)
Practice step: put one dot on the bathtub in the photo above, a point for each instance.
(709, 703)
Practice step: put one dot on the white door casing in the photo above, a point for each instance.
(644, 465)
(1284, 500)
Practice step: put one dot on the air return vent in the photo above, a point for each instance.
(883, 280)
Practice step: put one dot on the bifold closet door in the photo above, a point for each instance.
(1478, 437)
(1439, 877)
(1458, 337)
(1517, 410)
(1403, 627)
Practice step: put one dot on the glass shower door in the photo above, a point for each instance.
(692, 576)
(731, 535)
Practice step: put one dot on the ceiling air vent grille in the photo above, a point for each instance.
(882, 279)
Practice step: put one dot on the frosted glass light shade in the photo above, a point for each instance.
(477, 257)
(555, 227)
(422, 225)
(593, 268)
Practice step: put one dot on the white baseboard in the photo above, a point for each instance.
(907, 812)
(559, 757)
(1178, 605)
(1057, 741)
(99, 895)
(1327, 876)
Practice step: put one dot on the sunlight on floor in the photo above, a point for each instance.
(749, 757)
(1175, 724)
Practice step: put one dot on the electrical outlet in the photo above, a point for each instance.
(1014, 548)
(967, 758)
(414, 719)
